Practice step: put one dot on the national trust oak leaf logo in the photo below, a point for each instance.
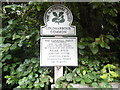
(59, 18)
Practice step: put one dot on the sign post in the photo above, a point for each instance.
(58, 51)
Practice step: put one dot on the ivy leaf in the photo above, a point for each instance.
(55, 14)
(69, 76)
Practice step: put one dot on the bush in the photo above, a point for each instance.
(98, 44)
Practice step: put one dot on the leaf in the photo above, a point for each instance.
(114, 74)
(7, 76)
(41, 84)
(20, 44)
(16, 36)
(104, 83)
(94, 84)
(38, 8)
(109, 86)
(104, 76)
(84, 72)
(0, 85)
(44, 79)
(60, 13)
(87, 80)
(81, 46)
(55, 14)
(82, 82)
(97, 39)
(62, 78)
(62, 20)
(54, 19)
(14, 46)
(20, 82)
(58, 85)
(106, 46)
(69, 86)
(6, 67)
(78, 78)
(30, 86)
(101, 44)
(113, 13)
(78, 70)
(10, 21)
(69, 77)
(110, 37)
(94, 50)
(0, 65)
(8, 57)
(81, 52)
(110, 66)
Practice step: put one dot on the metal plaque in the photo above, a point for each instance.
(58, 20)
(60, 51)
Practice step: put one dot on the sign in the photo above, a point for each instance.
(58, 20)
(58, 51)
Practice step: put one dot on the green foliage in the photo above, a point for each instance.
(29, 75)
(110, 74)
(98, 45)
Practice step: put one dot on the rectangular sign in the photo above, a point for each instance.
(58, 51)
(52, 31)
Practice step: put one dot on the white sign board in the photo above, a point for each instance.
(56, 51)
(58, 20)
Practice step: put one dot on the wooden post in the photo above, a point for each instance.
(58, 72)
